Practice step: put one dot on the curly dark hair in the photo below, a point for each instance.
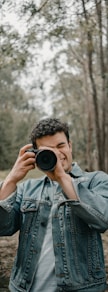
(49, 126)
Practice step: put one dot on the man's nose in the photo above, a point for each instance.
(59, 153)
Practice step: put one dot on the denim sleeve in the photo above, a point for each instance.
(10, 215)
(92, 203)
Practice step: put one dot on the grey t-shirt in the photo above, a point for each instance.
(45, 279)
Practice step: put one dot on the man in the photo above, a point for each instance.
(59, 217)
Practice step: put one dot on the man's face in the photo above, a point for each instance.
(58, 142)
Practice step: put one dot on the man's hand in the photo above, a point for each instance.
(24, 163)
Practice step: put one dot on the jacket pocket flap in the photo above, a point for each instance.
(29, 205)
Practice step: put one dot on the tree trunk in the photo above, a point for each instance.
(101, 121)
(106, 91)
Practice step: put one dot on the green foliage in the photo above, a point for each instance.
(13, 51)
(15, 128)
(6, 124)
(72, 74)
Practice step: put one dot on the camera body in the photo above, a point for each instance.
(45, 159)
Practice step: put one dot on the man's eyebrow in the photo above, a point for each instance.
(60, 144)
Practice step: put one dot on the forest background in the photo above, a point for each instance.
(54, 62)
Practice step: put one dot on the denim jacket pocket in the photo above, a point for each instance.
(29, 205)
(29, 226)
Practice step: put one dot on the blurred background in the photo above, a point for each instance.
(53, 63)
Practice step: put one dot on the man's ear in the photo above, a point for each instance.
(70, 145)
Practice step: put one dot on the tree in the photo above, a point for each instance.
(100, 108)
(17, 110)
(92, 22)
(73, 74)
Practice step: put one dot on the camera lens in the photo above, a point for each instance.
(46, 160)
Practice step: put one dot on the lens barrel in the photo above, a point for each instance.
(46, 160)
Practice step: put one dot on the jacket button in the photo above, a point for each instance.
(43, 224)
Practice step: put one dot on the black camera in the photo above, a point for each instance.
(45, 159)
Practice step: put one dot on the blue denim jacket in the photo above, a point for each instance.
(76, 227)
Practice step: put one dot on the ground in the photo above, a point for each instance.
(8, 246)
